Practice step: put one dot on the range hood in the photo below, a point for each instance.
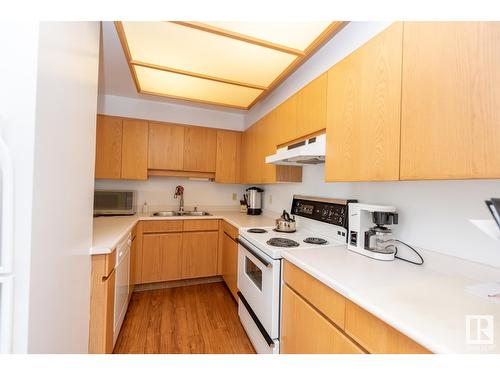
(308, 151)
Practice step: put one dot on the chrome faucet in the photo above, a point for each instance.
(179, 192)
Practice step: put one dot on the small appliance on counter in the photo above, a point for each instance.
(253, 198)
(114, 202)
(374, 241)
(286, 223)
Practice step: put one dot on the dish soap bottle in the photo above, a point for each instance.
(145, 207)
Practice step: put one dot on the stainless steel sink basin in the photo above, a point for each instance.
(196, 213)
(180, 213)
(165, 213)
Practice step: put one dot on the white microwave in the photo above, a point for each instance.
(114, 202)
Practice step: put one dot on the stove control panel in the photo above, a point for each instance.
(327, 210)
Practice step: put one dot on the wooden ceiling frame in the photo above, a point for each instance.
(301, 57)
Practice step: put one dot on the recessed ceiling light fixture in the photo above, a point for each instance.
(233, 64)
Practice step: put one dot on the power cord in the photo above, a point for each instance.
(407, 260)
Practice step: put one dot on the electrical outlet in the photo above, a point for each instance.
(235, 196)
(270, 199)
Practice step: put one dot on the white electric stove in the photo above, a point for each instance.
(259, 264)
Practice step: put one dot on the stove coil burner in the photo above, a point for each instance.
(315, 241)
(282, 242)
(256, 230)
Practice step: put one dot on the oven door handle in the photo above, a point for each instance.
(260, 258)
(256, 320)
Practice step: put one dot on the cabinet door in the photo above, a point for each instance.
(166, 146)
(200, 148)
(133, 265)
(161, 257)
(311, 107)
(108, 155)
(230, 263)
(227, 169)
(451, 91)
(285, 120)
(199, 254)
(305, 331)
(266, 137)
(363, 111)
(135, 150)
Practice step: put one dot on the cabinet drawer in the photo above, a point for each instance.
(154, 226)
(200, 225)
(377, 336)
(325, 299)
(230, 230)
(305, 331)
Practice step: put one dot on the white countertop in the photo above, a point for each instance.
(426, 304)
(109, 230)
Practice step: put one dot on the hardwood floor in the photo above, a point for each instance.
(198, 319)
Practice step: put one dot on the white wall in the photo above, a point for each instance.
(170, 112)
(158, 192)
(434, 215)
(17, 124)
(63, 187)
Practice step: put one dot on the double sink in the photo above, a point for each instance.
(180, 213)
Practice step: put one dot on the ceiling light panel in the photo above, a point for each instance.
(154, 81)
(297, 35)
(188, 49)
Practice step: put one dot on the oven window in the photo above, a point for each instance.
(253, 272)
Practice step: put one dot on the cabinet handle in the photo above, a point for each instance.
(105, 278)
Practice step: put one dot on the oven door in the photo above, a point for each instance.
(259, 284)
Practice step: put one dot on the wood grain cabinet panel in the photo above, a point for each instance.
(377, 336)
(450, 105)
(166, 146)
(227, 168)
(325, 299)
(305, 331)
(363, 111)
(285, 120)
(108, 156)
(230, 263)
(160, 226)
(135, 150)
(102, 304)
(199, 254)
(201, 225)
(161, 258)
(311, 107)
(200, 147)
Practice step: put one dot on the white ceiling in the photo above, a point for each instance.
(115, 78)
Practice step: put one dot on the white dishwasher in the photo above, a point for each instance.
(122, 272)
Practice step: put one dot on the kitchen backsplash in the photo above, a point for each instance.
(158, 192)
(434, 215)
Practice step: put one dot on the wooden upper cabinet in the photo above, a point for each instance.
(450, 125)
(200, 147)
(135, 150)
(285, 120)
(311, 107)
(363, 111)
(227, 168)
(166, 146)
(108, 156)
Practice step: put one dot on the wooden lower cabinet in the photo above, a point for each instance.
(161, 257)
(305, 331)
(102, 304)
(316, 319)
(230, 263)
(377, 336)
(199, 254)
